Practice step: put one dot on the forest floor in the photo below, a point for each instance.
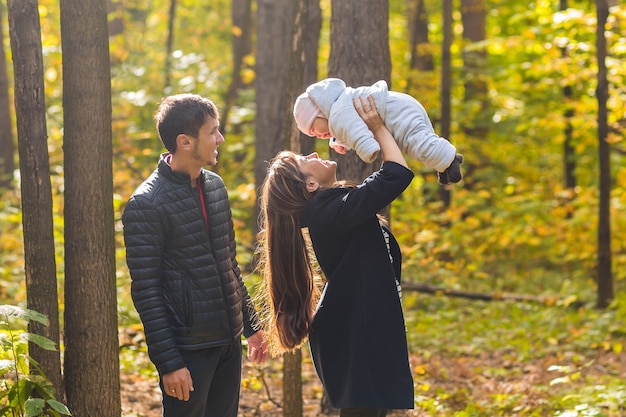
(477, 382)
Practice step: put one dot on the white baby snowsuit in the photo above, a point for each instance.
(403, 115)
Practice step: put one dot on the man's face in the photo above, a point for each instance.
(205, 145)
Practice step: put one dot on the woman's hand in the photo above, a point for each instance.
(368, 112)
(366, 108)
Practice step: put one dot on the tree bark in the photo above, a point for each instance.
(605, 273)
(274, 20)
(7, 148)
(241, 12)
(477, 123)
(446, 86)
(422, 78)
(421, 58)
(91, 340)
(296, 70)
(359, 54)
(310, 39)
(169, 46)
(292, 384)
(473, 16)
(39, 253)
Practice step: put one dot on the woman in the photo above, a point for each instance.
(357, 332)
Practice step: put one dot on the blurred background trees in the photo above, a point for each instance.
(522, 89)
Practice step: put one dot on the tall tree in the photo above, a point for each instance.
(274, 23)
(7, 149)
(421, 57)
(605, 272)
(296, 70)
(30, 110)
(169, 45)
(473, 17)
(300, 54)
(312, 26)
(477, 120)
(359, 54)
(241, 13)
(446, 84)
(422, 77)
(569, 155)
(91, 342)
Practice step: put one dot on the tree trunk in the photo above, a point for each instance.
(421, 58)
(310, 38)
(475, 67)
(273, 49)
(422, 78)
(169, 46)
(296, 70)
(359, 54)
(39, 253)
(292, 384)
(91, 341)
(446, 86)
(7, 149)
(476, 124)
(605, 274)
(292, 362)
(569, 152)
(241, 12)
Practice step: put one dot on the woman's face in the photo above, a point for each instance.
(322, 171)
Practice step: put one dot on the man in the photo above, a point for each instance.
(186, 283)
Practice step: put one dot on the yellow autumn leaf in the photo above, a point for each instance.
(236, 31)
(420, 370)
(612, 138)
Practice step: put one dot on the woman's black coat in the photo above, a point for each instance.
(358, 336)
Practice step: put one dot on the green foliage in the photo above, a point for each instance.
(510, 358)
(23, 393)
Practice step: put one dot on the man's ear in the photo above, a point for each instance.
(183, 141)
(312, 184)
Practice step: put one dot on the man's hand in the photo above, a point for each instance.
(178, 384)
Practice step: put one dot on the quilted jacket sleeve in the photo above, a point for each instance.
(144, 237)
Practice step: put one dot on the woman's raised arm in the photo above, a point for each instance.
(388, 146)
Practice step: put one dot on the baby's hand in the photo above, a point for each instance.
(337, 146)
(340, 149)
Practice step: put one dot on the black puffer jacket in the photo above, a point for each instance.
(186, 283)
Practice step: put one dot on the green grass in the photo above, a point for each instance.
(503, 358)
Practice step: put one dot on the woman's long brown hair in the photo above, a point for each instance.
(285, 260)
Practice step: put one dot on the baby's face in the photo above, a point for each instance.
(320, 128)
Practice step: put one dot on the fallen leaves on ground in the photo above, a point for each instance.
(465, 379)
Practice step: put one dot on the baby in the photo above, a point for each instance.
(326, 111)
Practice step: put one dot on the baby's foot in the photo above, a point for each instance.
(453, 172)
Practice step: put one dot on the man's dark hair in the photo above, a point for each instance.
(182, 114)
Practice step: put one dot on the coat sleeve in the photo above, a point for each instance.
(143, 238)
(345, 210)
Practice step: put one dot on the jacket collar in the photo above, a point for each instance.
(166, 170)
